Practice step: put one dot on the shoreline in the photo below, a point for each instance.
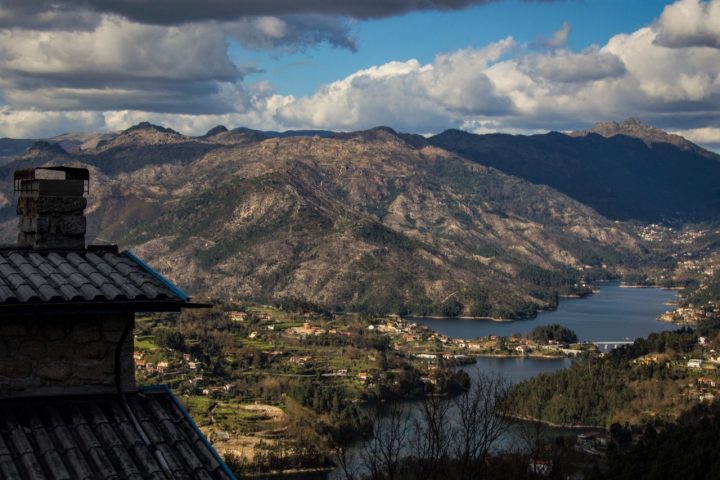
(659, 287)
(503, 355)
(525, 418)
(463, 317)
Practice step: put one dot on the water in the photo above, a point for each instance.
(613, 314)
(517, 369)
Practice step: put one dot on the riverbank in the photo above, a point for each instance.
(464, 317)
(524, 418)
(510, 355)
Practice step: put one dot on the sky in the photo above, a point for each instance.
(421, 66)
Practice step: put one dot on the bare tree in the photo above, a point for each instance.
(346, 460)
(531, 435)
(483, 416)
(431, 437)
(383, 454)
(443, 439)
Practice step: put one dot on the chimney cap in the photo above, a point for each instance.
(71, 173)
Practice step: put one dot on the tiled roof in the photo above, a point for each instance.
(95, 438)
(30, 277)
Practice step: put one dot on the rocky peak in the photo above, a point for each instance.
(149, 127)
(216, 130)
(633, 127)
(144, 134)
(376, 134)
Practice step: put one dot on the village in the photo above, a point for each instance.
(236, 383)
(280, 342)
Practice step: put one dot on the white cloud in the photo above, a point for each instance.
(690, 23)
(705, 136)
(565, 66)
(406, 95)
(663, 73)
(114, 63)
(558, 39)
(41, 124)
(631, 75)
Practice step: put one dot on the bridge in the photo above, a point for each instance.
(615, 344)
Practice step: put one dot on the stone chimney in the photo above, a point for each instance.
(51, 209)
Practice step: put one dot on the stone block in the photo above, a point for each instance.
(112, 328)
(46, 205)
(34, 224)
(54, 331)
(33, 348)
(85, 332)
(13, 329)
(14, 368)
(57, 371)
(60, 350)
(94, 372)
(67, 225)
(94, 351)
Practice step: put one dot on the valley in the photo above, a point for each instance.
(325, 255)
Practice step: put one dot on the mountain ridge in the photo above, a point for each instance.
(622, 177)
(363, 221)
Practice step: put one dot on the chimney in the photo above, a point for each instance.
(51, 206)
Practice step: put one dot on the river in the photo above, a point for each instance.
(614, 313)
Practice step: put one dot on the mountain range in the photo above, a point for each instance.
(482, 225)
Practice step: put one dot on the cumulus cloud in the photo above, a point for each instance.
(122, 72)
(708, 136)
(565, 66)
(406, 94)
(506, 87)
(42, 124)
(119, 64)
(558, 39)
(690, 23)
(290, 32)
(174, 12)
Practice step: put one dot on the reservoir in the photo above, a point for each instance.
(614, 313)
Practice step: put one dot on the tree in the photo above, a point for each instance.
(169, 337)
(483, 416)
(383, 454)
(432, 437)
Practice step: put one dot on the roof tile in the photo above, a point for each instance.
(55, 466)
(8, 469)
(32, 277)
(93, 438)
(31, 467)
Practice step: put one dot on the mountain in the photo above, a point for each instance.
(81, 141)
(12, 147)
(368, 220)
(633, 127)
(624, 171)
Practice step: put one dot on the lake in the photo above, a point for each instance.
(614, 313)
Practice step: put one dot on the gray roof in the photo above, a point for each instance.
(96, 275)
(95, 438)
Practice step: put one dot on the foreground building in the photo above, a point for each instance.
(69, 404)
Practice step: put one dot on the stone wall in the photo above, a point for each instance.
(74, 355)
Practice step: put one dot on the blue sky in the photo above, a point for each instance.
(422, 35)
(415, 65)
